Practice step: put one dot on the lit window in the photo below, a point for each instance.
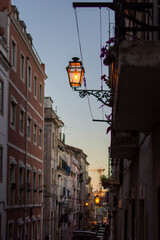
(1, 97)
(35, 86)
(13, 54)
(40, 94)
(1, 162)
(29, 77)
(22, 67)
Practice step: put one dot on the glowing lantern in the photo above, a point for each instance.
(97, 200)
(75, 72)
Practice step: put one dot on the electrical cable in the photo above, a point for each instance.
(101, 58)
(85, 85)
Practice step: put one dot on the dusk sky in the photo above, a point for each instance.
(52, 25)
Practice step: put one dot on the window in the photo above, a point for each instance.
(28, 185)
(35, 133)
(39, 187)
(19, 237)
(1, 162)
(21, 183)
(12, 184)
(53, 140)
(40, 93)
(34, 187)
(29, 76)
(40, 137)
(38, 229)
(33, 230)
(26, 231)
(12, 177)
(1, 97)
(10, 231)
(22, 67)
(13, 113)
(21, 122)
(13, 54)
(29, 127)
(35, 86)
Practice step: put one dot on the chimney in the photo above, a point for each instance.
(43, 66)
(5, 4)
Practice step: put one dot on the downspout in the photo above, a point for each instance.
(26, 148)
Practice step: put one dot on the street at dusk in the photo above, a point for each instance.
(79, 120)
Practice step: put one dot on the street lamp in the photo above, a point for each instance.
(97, 200)
(75, 72)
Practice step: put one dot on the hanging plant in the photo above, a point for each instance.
(107, 80)
(108, 52)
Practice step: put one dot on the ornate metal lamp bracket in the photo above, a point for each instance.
(103, 96)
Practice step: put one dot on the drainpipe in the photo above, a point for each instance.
(26, 148)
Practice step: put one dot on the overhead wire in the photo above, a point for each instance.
(85, 85)
(101, 58)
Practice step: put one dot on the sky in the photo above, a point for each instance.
(52, 25)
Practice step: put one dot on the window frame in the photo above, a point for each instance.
(13, 104)
(40, 93)
(22, 111)
(29, 79)
(40, 138)
(14, 54)
(35, 85)
(22, 77)
(35, 133)
(29, 120)
(11, 222)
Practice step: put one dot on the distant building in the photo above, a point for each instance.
(65, 181)
(84, 184)
(51, 135)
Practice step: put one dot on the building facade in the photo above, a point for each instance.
(24, 118)
(4, 82)
(134, 75)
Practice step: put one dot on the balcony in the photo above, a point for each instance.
(137, 86)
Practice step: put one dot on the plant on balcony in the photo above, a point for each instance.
(108, 52)
(105, 181)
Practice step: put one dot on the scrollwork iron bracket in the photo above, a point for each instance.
(104, 96)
